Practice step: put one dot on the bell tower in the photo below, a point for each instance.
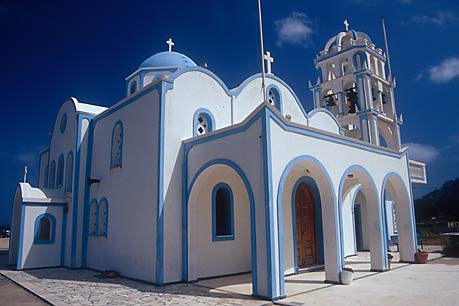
(353, 85)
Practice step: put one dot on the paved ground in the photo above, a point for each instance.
(406, 284)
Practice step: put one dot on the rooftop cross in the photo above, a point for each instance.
(170, 43)
(346, 24)
(268, 60)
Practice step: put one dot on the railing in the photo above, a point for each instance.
(418, 172)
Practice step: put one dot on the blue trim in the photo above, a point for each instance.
(52, 175)
(209, 117)
(280, 191)
(60, 171)
(63, 233)
(133, 87)
(103, 201)
(409, 194)
(185, 198)
(164, 87)
(46, 204)
(21, 238)
(324, 110)
(356, 191)
(52, 233)
(227, 189)
(364, 49)
(93, 231)
(68, 177)
(120, 124)
(318, 218)
(277, 93)
(359, 216)
(76, 190)
(379, 206)
(84, 247)
(269, 206)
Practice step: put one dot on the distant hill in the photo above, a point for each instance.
(442, 204)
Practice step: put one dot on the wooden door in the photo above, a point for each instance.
(305, 226)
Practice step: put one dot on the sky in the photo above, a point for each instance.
(52, 50)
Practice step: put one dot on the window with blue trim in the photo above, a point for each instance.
(63, 124)
(222, 213)
(203, 124)
(117, 146)
(45, 227)
(93, 207)
(46, 176)
(133, 87)
(69, 173)
(60, 171)
(52, 175)
(274, 97)
(102, 218)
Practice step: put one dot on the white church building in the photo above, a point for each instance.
(187, 179)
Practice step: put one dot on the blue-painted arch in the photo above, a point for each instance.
(288, 168)
(209, 117)
(187, 191)
(318, 217)
(52, 221)
(120, 124)
(277, 93)
(341, 197)
(229, 193)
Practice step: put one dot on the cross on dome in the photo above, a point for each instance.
(346, 24)
(267, 57)
(170, 43)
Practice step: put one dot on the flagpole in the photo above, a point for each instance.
(262, 52)
(387, 49)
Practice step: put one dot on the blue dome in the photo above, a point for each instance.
(168, 59)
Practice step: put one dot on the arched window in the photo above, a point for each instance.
(52, 175)
(93, 207)
(222, 213)
(102, 216)
(46, 175)
(274, 97)
(60, 171)
(117, 146)
(45, 228)
(133, 87)
(203, 122)
(69, 172)
(63, 124)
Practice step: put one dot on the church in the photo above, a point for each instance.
(187, 179)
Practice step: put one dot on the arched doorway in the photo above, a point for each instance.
(305, 226)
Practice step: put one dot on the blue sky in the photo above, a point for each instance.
(52, 50)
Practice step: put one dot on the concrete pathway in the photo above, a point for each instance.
(406, 284)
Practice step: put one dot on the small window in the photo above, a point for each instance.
(60, 171)
(117, 146)
(52, 175)
(203, 122)
(274, 97)
(222, 213)
(44, 229)
(102, 216)
(63, 124)
(69, 172)
(46, 176)
(93, 207)
(133, 87)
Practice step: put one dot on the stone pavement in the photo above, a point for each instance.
(12, 294)
(61, 286)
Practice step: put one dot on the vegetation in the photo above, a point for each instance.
(440, 204)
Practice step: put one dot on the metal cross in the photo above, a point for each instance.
(170, 43)
(346, 24)
(268, 60)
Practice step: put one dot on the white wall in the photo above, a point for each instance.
(41, 255)
(130, 246)
(213, 258)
